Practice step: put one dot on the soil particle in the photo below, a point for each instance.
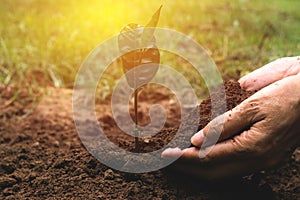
(7, 168)
(109, 175)
(6, 181)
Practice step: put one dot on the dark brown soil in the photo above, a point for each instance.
(42, 157)
(200, 115)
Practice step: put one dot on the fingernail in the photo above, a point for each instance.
(171, 152)
(165, 153)
(198, 138)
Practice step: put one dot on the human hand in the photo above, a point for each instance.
(260, 133)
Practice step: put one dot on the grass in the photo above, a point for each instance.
(43, 42)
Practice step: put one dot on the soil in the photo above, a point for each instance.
(42, 157)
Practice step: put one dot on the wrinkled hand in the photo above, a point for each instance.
(260, 133)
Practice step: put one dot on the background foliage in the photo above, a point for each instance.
(43, 42)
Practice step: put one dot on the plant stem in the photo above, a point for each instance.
(137, 133)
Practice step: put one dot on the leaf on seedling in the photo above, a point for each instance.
(140, 64)
(150, 27)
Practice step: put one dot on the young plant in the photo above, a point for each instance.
(140, 59)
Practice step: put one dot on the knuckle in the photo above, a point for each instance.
(241, 146)
(249, 149)
(254, 109)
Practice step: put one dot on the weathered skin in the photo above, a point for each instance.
(264, 129)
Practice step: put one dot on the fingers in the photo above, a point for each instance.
(271, 73)
(224, 150)
(226, 159)
(211, 154)
(233, 157)
(229, 124)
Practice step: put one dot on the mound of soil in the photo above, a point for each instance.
(42, 157)
(200, 115)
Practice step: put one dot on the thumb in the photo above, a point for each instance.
(270, 73)
(233, 122)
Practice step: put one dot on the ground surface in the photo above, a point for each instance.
(41, 156)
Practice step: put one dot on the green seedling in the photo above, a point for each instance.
(140, 59)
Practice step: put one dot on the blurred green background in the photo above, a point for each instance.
(43, 42)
